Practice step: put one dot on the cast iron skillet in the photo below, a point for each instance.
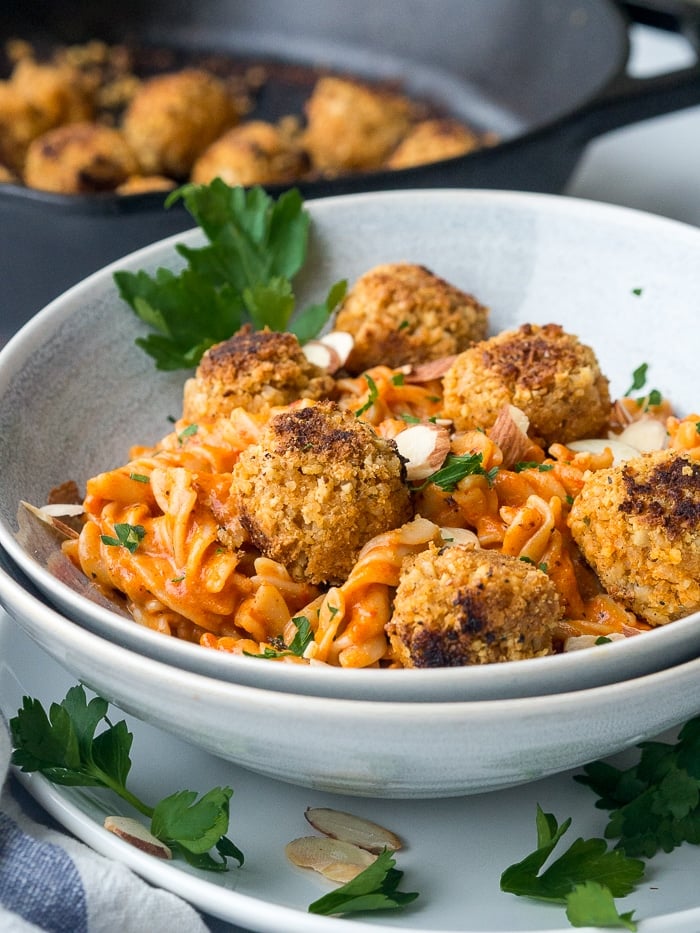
(546, 75)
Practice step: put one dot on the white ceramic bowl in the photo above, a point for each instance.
(360, 747)
(75, 392)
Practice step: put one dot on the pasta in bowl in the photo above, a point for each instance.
(293, 517)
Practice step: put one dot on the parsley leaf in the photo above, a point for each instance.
(128, 536)
(585, 860)
(655, 804)
(375, 888)
(243, 275)
(639, 378)
(371, 398)
(456, 467)
(65, 747)
(592, 905)
(303, 637)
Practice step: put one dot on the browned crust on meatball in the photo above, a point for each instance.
(254, 153)
(457, 606)
(432, 141)
(547, 373)
(79, 158)
(318, 485)
(402, 313)
(254, 370)
(638, 527)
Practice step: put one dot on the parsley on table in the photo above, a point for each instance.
(375, 888)
(64, 747)
(456, 467)
(655, 804)
(243, 275)
(567, 880)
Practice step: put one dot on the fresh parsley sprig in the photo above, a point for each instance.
(65, 747)
(375, 888)
(585, 878)
(243, 275)
(655, 804)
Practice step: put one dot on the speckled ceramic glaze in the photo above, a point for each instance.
(75, 392)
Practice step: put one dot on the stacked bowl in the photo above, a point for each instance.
(76, 393)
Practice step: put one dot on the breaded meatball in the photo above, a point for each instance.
(172, 118)
(433, 140)
(638, 526)
(79, 158)
(353, 127)
(318, 485)
(254, 153)
(142, 184)
(402, 313)
(255, 370)
(547, 373)
(458, 605)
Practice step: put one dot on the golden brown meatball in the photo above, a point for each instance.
(548, 374)
(318, 485)
(433, 140)
(79, 158)
(172, 118)
(143, 184)
(458, 605)
(353, 127)
(638, 526)
(254, 153)
(6, 176)
(254, 370)
(402, 313)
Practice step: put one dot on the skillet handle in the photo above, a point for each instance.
(630, 99)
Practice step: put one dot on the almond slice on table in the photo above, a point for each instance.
(48, 514)
(424, 447)
(333, 858)
(135, 833)
(347, 827)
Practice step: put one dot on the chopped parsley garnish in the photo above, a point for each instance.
(297, 646)
(371, 398)
(139, 478)
(585, 878)
(243, 275)
(456, 467)
(637, 291)
(398, 379)
(189, 431)
(64, 747)
(410, 419)
(603, 640)
(532, 465)
(375, 888)
(128, 536)
(403, 325)
(639, 378)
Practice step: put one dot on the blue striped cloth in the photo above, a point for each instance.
(51, 882)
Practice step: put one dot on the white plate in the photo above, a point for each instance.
(455, 849)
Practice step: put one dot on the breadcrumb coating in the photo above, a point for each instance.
(638, 526)
(79, 158)
(457, 605)
(172, 118)
(318, 485)
(545, 372)
(254, 370)
(254, 153)
(432, 141)
(351, 126)
(401, 313)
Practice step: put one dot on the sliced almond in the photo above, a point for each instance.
(646, 435)
(424, 446)
(354, 829)
(341, 342)
(432, 369)
(321, 355)
(596, 445)
(332, 858)
(136, 834)
(460, 536)
(509, 431)
(576, 642)
(47, 514)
